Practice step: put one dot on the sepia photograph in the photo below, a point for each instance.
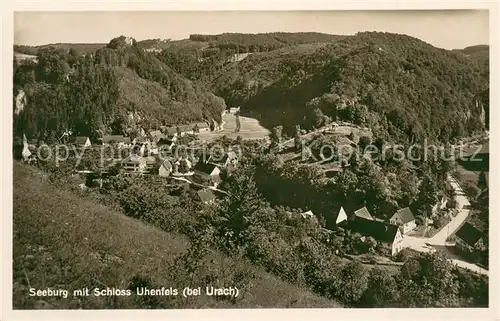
(250, 159)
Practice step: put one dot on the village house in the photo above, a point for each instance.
(120, 140)
(468, 238)
(206, 196)
(183, 129)
(81, 141)
(142, 146)
(150, 163)
(134, 164)
(206, 173)
(165, 168)
(337, 217)
(201, 127)
(166, 143)
(404, 219)
(182, 165)
(234, 110)
(229, 159)
(388, 235)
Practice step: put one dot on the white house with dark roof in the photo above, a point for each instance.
(207, 173)
(404, 219)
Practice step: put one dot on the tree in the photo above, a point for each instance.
(363, 142)
(297, 139)
(427, 197)
(275, 137)
(351, 282)
(427, 280)
(196, 129)
(371, 243)
(482, 182)
(238, 124)
(236, 212)
(239, 141)
(183, 166)
(471, 190)
(381, 290)
(178, 130)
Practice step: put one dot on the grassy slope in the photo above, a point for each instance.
(62, 240)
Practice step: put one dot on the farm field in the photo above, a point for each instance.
(250, 129)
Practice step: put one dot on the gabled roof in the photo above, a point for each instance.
(380, 231)
(206, 168)
(307, 214)
(141, 139)
(344, 141)
(116, 139)
(231, 155)
(80, 140)
(134, 159)
(404, 214)
(150, 160)
(363, 213)
(164, 140)
(206, 195)
(155, 133)
(216, 179)
(167, 165)
(469, 234)
(171, 130)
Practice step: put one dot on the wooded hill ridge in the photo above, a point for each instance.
(401, 87)
(114, 90)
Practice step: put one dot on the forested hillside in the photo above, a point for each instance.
(400, 86)
(116, 89)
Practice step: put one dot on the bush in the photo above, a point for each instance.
(403, 255)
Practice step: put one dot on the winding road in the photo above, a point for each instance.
(438, 241)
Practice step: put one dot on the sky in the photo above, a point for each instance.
(449, 29)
